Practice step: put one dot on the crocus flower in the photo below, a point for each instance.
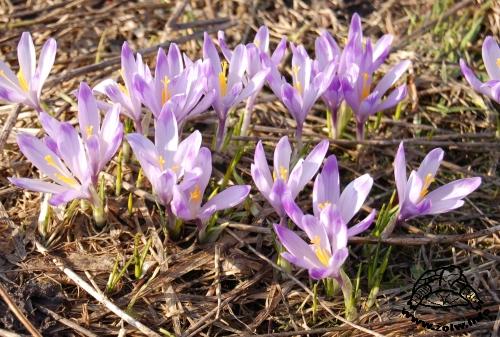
(188, 195)
(185, 89)
(165, 161)
(26, 86)
(274, 186)
(360, 64)
(228, 80)
(491, 59)
(326, 252)
(68, 169)
(256, 51)
(100, 141)
(306, 87)
(326, 193)
(413, 194)
(126, 95)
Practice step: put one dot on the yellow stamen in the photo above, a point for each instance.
(66, 179)
(321, 253)
(427, 182)
(366, 86)
(22, 81)
(297, 85)
(223, 79)
(257, 43)
(323, 205)
(123, 89)
(283, 173)
(195, 195)
(89, 130)
(165, 93)
(498, 62)
(161, 161)
(61, 176)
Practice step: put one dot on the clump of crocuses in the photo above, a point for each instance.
(72, 160)
(179, 173)
(26, 86)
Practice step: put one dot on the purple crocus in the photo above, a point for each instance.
(26, 86)
(185, 89)
(256, 52)
(283, 179)
(414, 196)
(126, 95)
(306, 87)
(360, 64)
(229, 81)
(68, 168)
(165, 162)
(188, 195)
(101, 141)
(491, 59)
(326, 252)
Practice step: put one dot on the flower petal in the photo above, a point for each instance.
(491, 55)
(353, 196)
(26, 56)
(228, 198)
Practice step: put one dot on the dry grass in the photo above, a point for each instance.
(229, 288)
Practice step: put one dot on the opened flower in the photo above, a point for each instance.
(300, 96)
(357, 81)
(165, 161)
(68, 169)
(185, 89)
(342, 206)
(491, 59)
(188, 195)
(414, 196)
(283, 178)
(125, 94)
(326, 252)
(26, 86)
(229, 81)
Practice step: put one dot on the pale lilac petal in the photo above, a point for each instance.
(65, 197)
(261, 39)
(163, 186)
(188, 150)
(42, 157)
(362, 225)
(72, 151)
(282, 155)
(37, 185)
(111, 133)
(414, 188)
(310, 166)
(237, 65)
(210, 52)
(166, 133)
(180, 205)
(276, 195)
(430, 164)
(327, 185)
(391, 77)
(292, 209)
(228, 53)
(353, 196)
(174, 60)
(299, 261)
(279, 52)
(316, 232)
(396, 96)
(457, 189)
(400, 173)
(144, 150)
(293, 102)
(26, 56)
(443, 206)
(228, 198)
(88, 114)
(261, 165)
(469, 75)
(295, 245)
(254, 85)
(491, 55)
(381, 50)
(46, 61)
